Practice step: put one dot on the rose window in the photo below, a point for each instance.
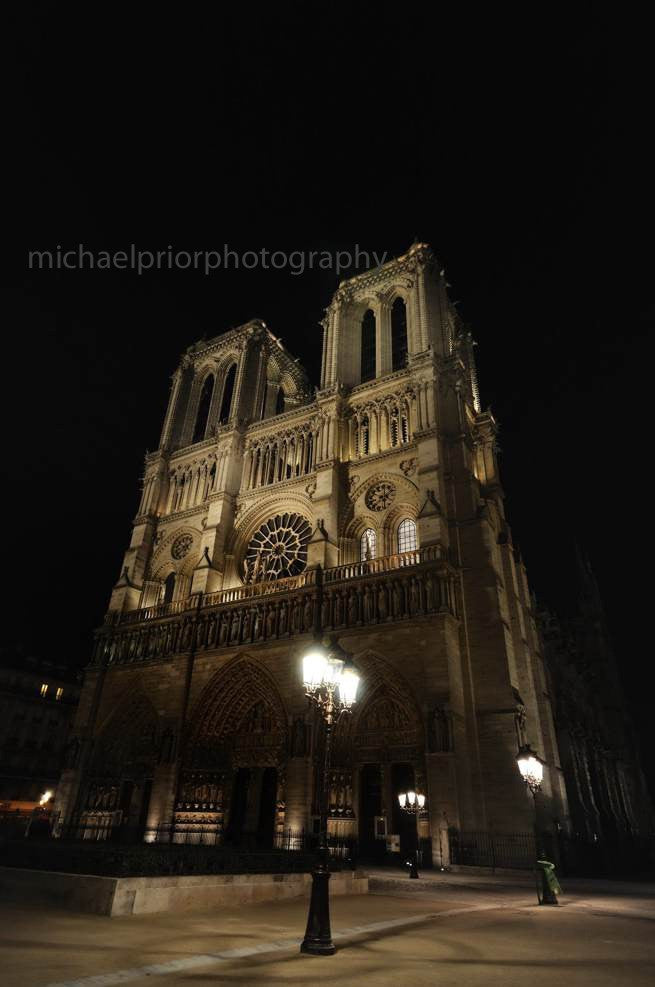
(278, 549)
(181, 546)
(380, 496)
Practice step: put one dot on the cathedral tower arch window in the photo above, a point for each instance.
(407, 535)
(368, 346)
(362, 433)
(399, 423)
(228, 393)
(368, 545)
(398, 334)
(204, 404)
(279, 402)
(169, 588)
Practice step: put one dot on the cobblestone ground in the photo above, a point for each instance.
(442, 932)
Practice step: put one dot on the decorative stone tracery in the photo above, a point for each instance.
(278, 549)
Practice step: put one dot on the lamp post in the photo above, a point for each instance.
(532, 772)
(413, 803)
(331, 682)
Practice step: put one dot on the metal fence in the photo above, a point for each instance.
(485, 849)
(113, 850)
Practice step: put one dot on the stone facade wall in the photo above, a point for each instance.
(203, 644)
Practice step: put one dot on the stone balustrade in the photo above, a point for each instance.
(377, 591)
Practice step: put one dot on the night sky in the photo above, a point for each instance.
(315, 127)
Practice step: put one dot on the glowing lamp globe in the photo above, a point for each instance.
(314, 668)
(348, 684)
(531, 768)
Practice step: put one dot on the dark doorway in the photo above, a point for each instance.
(267, 804)
(370, 806)
(404, 823)
(145, 805)
(124, 803)
(238, 805)
(169, 587)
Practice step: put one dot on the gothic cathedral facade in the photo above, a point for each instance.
(369, 510)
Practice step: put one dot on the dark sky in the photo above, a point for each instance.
(311, 126)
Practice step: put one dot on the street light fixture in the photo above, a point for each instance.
(532, 772)
(531, 768)
(413, 802)
(331, 682)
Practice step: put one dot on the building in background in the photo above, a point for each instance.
(612, 819)
(38, 700)
(369, 509)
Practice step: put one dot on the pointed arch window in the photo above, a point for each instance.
(393, 428)
(407, 535)
(362, 436)
(279, 402)
(367, 545)
(404, 426)
(204, 405)
(169, 587)
(228, 392)
(368, 346)
(398, 334)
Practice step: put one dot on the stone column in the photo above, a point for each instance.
(443, 803)
(298, 793)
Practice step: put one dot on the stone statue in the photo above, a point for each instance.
(299, 738)
(397, 600)
(382, 603)
(429, 592)
(414, 597)
(352, 608)
(308, 615)
(325, 611)
(440, 731)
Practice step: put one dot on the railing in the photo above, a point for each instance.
(484, 849)
(151, 613)
(398, 587)
(389, 563)
(342, 848)
(100, 848)
(252, 591)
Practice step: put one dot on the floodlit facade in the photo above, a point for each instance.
(369, 510)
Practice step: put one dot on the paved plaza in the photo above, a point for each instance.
(439, 930)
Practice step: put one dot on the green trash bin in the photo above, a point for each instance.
(550, 886)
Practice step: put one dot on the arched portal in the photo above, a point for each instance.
(378, 750)
(119, 782)
(233, 773)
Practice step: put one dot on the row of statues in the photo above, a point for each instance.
(376, 601)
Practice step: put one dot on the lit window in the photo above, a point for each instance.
(44, 689)
(367, 545)
(363, 437)
(368, 346)
(398, 334)
(59, 693)
(204, 404)
(407, 536)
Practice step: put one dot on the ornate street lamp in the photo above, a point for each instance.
(531, 768)
(413, 802)
(532, 772)
(331, 682)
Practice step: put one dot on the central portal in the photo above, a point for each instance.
(252, 808)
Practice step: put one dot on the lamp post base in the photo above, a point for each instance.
(318, 935)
